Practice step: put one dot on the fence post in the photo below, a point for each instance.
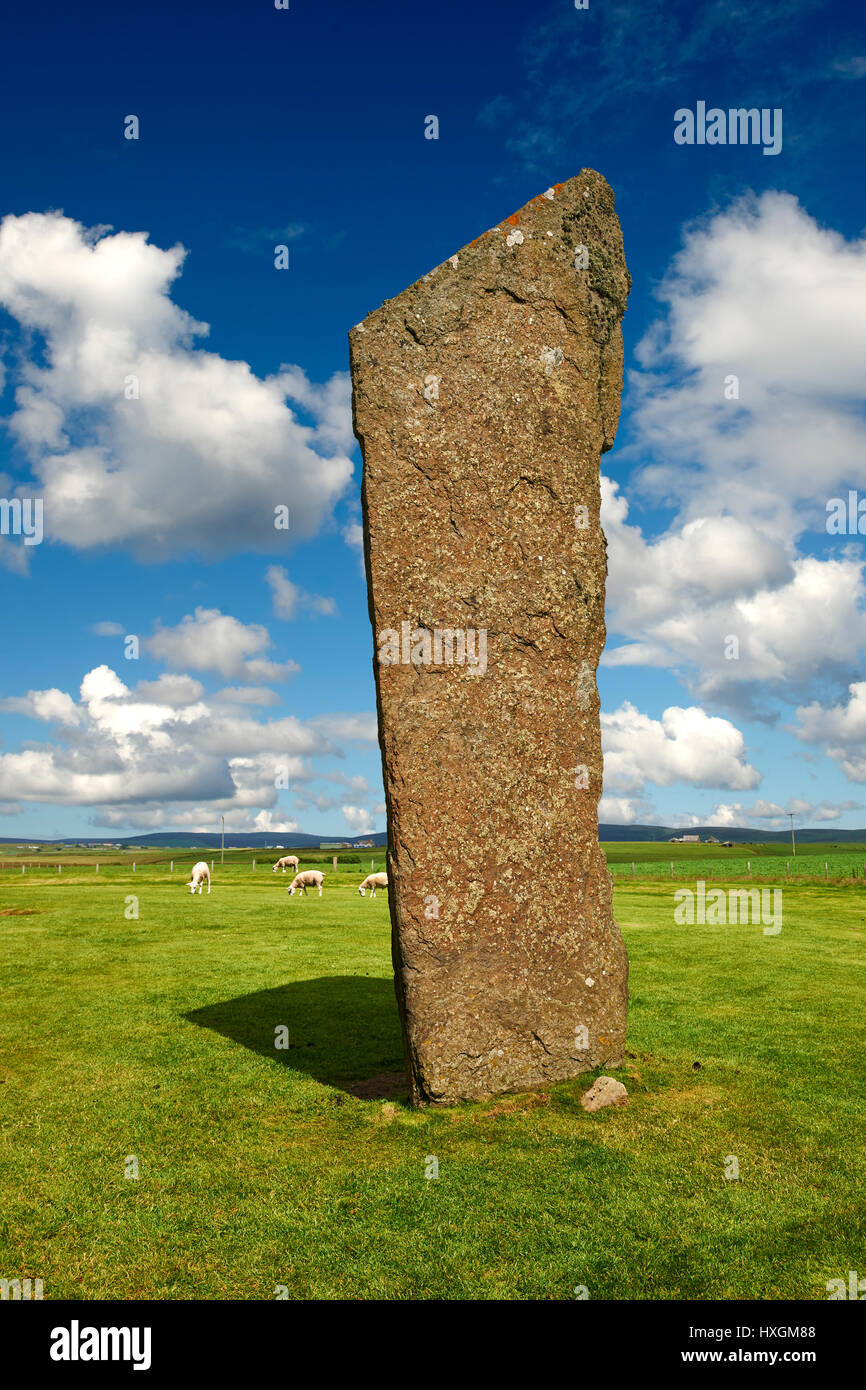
(133, 866)
(22, 868)
(334, 862)
(254, 866)
(826, 870)
(97, 868)
(787, 867)
(672, 868)
(632, 868)
(749, 867)
(60, 868)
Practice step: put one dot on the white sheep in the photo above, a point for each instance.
(287, 860)
(200, 874)
(373, 881)
(310, 878)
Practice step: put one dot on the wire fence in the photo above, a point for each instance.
(359, 868)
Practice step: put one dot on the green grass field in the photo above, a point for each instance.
(766, 861)
(259, 1169)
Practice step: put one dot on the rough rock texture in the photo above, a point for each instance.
(605, 1090)
(483, 397)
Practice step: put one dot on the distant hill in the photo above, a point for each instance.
(739, 835)
(182, 839)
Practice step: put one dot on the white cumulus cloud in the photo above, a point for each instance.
(685, 745)
(358, 818)
(289, 598)
(760, 292)
(138, 437)
(208, 640)
(839, 730)
(161, 754)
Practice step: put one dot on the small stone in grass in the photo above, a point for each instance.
(604, 1091)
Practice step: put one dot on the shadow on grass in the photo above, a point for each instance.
(343, 1030)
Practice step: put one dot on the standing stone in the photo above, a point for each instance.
(483, 397)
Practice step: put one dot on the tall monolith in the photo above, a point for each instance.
(484, 396)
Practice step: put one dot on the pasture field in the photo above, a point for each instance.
(153, 1038)
(354, 861)
(766, 861)
(633, 860)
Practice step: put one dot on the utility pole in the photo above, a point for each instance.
(793, 841)
(223, 843)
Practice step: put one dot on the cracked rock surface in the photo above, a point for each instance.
(483, 398)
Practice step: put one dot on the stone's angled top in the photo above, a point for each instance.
(563, 247)
(567, 215)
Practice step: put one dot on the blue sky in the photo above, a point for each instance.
(306, 128)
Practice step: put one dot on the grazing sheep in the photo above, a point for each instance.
(373, 881)
(286, 861)
(200, 874)
(310, 878)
